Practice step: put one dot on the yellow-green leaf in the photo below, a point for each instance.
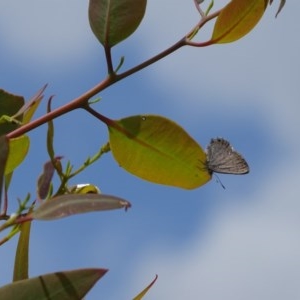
(145, 291)
(159, 150)
(22, 253)
(30, 107)
(237, 19)
(55, 286)
(18, 148)
(4, 149)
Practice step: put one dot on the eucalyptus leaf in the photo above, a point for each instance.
(281, 5)
(145, 290)
(18, 149)
(22, 253)
(9, 105)
(72, 204)
(159, 150)
(4, 150)
(112, 21)
(45, 179)
(29, 108)
(237, 19)
(64, 285)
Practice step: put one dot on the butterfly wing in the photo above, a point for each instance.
(222, 158)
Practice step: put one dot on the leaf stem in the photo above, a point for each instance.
(110, 68)
(195, 30)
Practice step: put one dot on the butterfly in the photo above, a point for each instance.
(222, 158)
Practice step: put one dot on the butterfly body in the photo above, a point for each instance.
(222, 158)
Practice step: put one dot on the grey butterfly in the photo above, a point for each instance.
(222, 158)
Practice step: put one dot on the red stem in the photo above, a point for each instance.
(81, 101)
(74, 104)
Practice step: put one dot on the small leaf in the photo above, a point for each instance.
(21, 259)
(44, 180)
(112, 21)
(18, 149)
(84, 188)
(9, 106)
(237, 19)
(281, 5)
(65, 285)
(157, 149)
(145, 291)
(50, 133)
(31, 105)
(72, 204)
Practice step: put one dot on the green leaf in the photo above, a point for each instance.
(21, 259)
(237, 19)
(145, 291)
(50, 133)
(65, 285)
(4, 150)
(112, 21)
(14, 111)
(71, 204)
(18, 149)
(157, 149)
(9, 106)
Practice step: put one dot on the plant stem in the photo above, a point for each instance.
(74, 104)
(81, 101)
(176, 46)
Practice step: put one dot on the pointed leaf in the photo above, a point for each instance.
(21, 259)
(281, 5)
(45, 179)
(31, 105)
(145, 291)
(66, 285)
(18, 149)
(4, 149)
(9, 105)
(71, 204)
(237, 19)
(50, 133)
(157, 149)
(112, 21)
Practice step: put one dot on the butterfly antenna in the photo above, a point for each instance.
(220, 182)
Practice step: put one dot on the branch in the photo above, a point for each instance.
(112, 78)
(74, 104)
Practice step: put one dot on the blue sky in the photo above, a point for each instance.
(209, 243)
